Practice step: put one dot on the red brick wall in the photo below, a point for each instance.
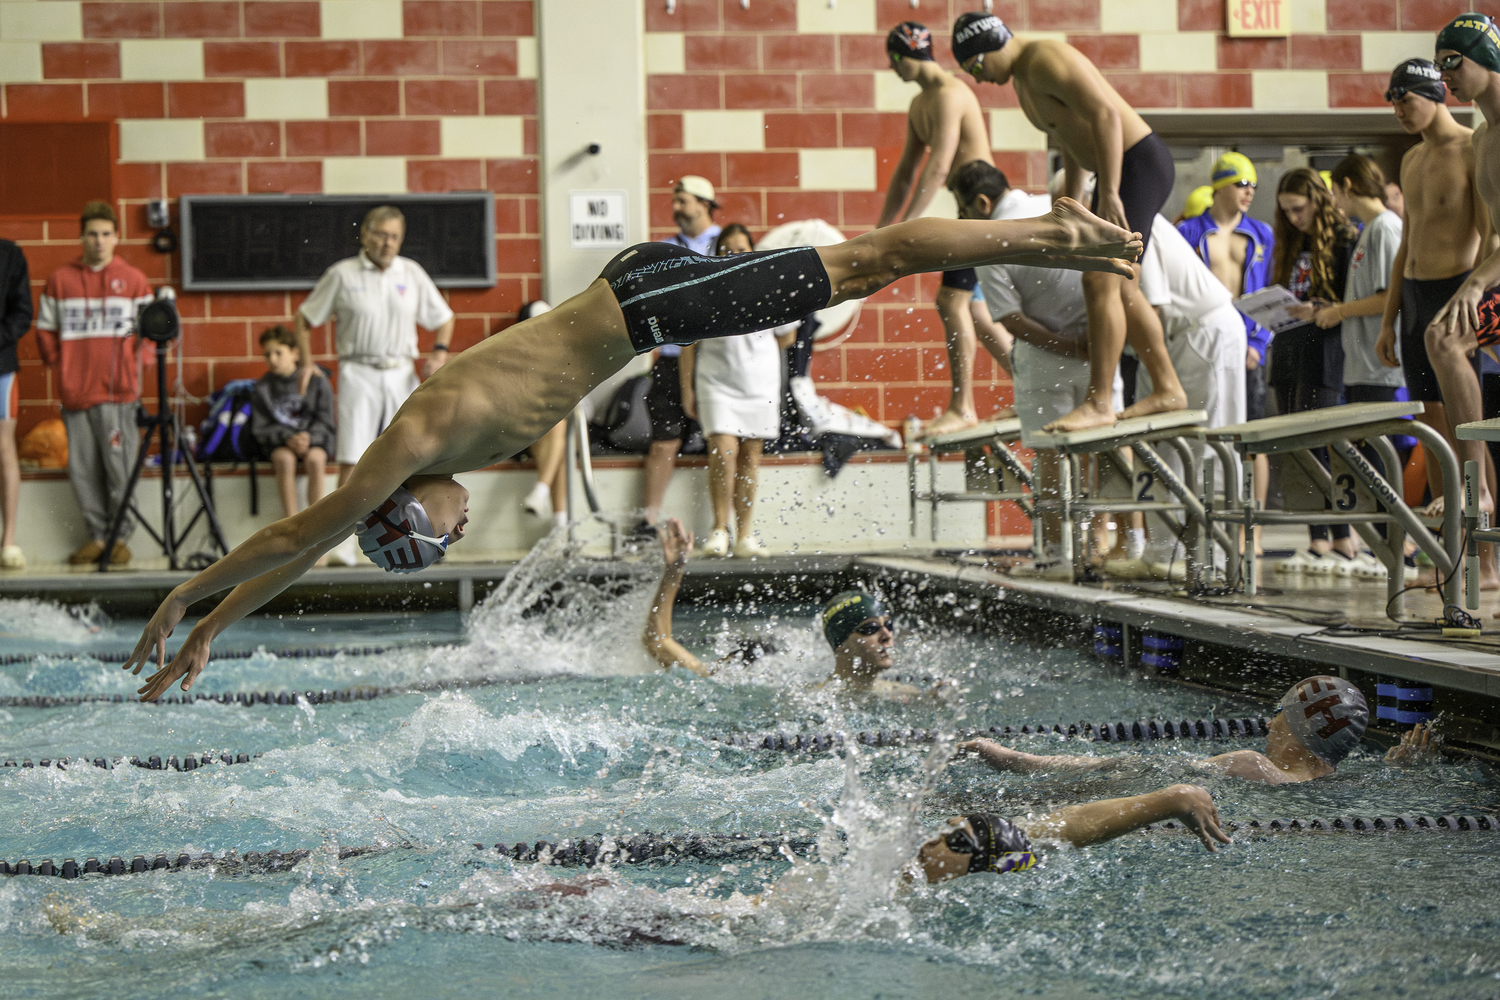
(458, 57)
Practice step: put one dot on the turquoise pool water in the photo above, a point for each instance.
(574, 735)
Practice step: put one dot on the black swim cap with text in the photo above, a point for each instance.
(975, 33)
(1417, 76)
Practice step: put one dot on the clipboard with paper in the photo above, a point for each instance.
(1270, 307)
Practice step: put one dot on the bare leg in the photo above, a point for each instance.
(10, 480)
(723, 459)
(1435, 415)
(1047, 467)
(958, 328)
(1106, 311)
(1262, 490)
(1096, 822)
(745, 483)
(559, 486)
(1144, 333)
(549, 450)
(1449, 354)
(285, 464)
(1069, 236)
(316, 465)
(661, 460)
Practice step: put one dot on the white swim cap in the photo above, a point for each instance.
(1328, 715)
(397, 535)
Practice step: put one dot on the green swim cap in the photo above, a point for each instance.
(1475, 36)
(842, 615)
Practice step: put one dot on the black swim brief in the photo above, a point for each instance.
(1147, 174)
(1421, 301)
(671, 295)
(965, 279)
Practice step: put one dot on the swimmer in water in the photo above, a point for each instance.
(855, 624)
(1320, 721)
(495, 399)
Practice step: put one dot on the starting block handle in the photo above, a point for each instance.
(1247, 472)
(1471, 525)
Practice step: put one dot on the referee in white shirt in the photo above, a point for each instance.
(377, 300)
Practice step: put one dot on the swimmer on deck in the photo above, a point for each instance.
(1320, 720)
(495, 399)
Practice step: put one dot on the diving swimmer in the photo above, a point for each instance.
(1320, 720)
(495, 399)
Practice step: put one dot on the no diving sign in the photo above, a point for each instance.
(596, 220)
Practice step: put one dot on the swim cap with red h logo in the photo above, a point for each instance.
(1328, 715)
(397, 535)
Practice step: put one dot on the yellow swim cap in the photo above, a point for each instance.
(1233, 168)
(1198, 202)
(1327, 176)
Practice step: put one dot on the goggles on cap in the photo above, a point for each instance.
(441, 543)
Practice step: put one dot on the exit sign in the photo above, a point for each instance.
(1248, 18)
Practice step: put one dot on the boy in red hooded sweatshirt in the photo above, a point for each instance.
(86, 330)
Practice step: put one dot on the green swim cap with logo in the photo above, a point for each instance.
(1475, 36)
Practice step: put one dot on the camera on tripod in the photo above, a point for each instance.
(159, 322)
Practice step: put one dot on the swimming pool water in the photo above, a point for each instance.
(576, 735)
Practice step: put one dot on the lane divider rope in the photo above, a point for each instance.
(1103, 732)
(152, 763)
(669, 849)
(120, 656)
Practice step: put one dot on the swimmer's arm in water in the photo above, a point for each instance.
(388, 463)
(676, 543)
(1251, 765)
(1095, 822)
(1003, 758)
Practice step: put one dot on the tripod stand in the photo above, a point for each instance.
(163, 424)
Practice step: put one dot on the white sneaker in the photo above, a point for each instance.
(1301, 561)
(1367, 567)
(750, 547)
(717, 544)
(11, 557)
(1335, 563)
(539, 500)
(345, 553)
(1410, 572)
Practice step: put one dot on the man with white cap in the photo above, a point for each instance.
(693, 204)
(1320, 720)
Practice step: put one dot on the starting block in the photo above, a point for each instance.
(1475, 521)
(1127, 480)
(1350, 490)
(992, 471)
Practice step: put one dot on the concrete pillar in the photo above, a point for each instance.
(592, 83)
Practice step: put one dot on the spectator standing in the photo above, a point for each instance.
(86, 330)
(693, 207)
(15, 320)
(732, 386)
(1313, 244)
(1238, 250)
(377, 300)
(290, 425)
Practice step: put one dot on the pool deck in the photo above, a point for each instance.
(1338, 623)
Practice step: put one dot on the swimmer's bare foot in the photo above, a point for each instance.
(1434, 508)
(1004, 413)
(1088, 415)
(1087, 235)
(950, 421)
(1073, 262)
(1165, 401)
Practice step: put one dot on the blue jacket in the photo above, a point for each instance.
(1257, 263)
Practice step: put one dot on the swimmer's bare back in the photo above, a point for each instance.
(494, 399)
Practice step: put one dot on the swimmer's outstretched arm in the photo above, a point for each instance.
(676, 543)
(266, 563)
(1096, 822)
(1003, 758)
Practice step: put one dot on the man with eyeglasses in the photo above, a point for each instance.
(944, 124)
(1066, 96)
(1439, 244)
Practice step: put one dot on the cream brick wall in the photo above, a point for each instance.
(161, 59)
(364, 175)
(1380, 51)
(1179, 52)
(20, 62)
(1010, 129)
(33, 21)
(161, 140)
(1309, 17)
(279, 99)
(836, 169)
(846, 17)
(1119, 17)
(893, 93)
(361, 18)
(482, 137)
(526, 63)
(664, 52)
(723, 131)
(1289, 90)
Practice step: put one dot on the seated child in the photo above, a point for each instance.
(289, 426)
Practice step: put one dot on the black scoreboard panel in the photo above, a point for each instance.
(272, 242)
